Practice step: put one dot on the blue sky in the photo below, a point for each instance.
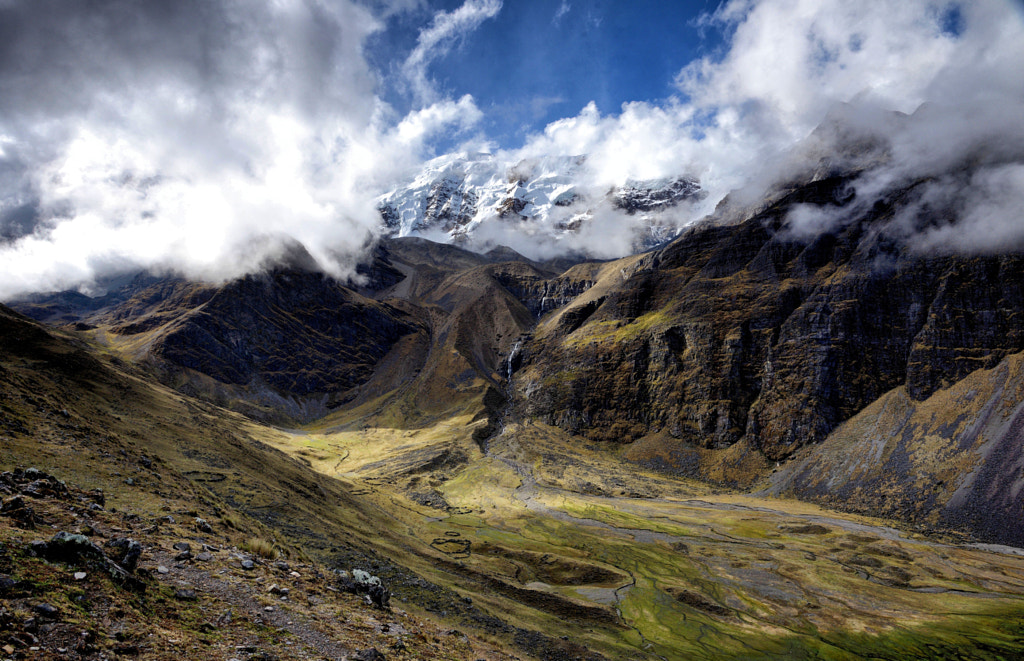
(537, 61)
(195, 135)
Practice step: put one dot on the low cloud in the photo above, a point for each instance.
(195, 136)
(919, 86)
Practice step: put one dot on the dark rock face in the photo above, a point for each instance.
(646, 196)
(299, 332)
(748, 332)
(389, 214)
(511, 206)
(953, 460)
(449, 204)
(541, 295)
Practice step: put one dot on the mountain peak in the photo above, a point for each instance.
(465, 198)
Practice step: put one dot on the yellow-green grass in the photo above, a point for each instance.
(719, 574)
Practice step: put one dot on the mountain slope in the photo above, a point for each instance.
(738, 344)
(76, 413)
(954, 460)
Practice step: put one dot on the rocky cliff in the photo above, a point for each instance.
(953, 460)
(753, 333)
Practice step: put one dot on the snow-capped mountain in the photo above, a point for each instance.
(454, 198)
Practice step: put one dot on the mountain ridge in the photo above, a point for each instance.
(457, 197)
(515, 458)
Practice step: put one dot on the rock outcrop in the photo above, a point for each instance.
(655, 194)
(954, 460)
(751, 333)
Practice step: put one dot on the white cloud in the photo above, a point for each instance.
(437, 39)
(419, 124)
(560, 13)
(197, 137)
(789, 63)
(181, 135)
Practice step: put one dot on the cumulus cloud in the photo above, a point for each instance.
(746, 119)
(193, 136)
(198, 136)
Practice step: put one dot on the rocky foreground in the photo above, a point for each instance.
(82, 581)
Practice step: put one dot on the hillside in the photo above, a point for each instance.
(736, 345)
(537, 537)
(139, 462)
(638, 452)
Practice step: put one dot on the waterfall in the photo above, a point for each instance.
(511, 357)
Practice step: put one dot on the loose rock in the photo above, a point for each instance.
(46, 610)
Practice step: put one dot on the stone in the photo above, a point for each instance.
(17, 509)
(185, 595)
(80, 575)
(368, 654)
(202, 525)
(379, 596)
(47, 611)
(182, 546)
(204, 556)
(248, 565)
(7, 585)
(70, 549)
(128, 552)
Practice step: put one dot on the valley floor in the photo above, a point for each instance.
(562, 539)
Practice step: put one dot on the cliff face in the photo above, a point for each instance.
(953, 460)
(299, 332)
(540, 293)
(751, 333)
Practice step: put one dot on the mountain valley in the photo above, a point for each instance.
(744, 443)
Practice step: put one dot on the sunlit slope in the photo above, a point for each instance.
(753, 338)
(954, 460)
(70, 411)
(642, 565)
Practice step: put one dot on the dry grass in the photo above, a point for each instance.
(261, 547)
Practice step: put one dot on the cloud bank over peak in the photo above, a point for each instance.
(179, 135)
(745, 118)
(197, 137)
(789, 63)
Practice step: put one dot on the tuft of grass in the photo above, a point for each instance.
(261, 547)
(230, 521)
